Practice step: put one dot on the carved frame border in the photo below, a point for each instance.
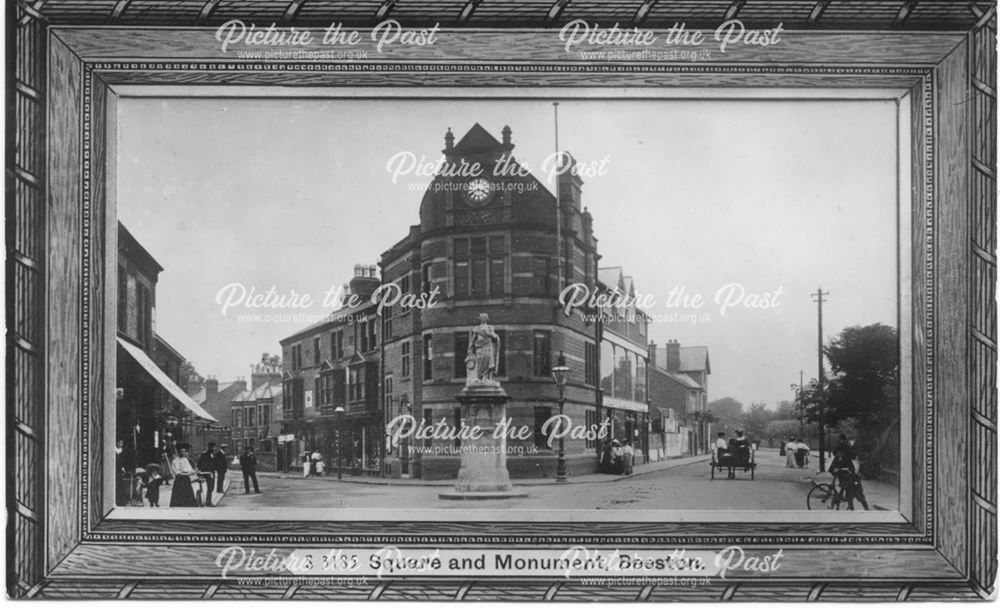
(58, 92)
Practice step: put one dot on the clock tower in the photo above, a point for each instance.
(488, 242)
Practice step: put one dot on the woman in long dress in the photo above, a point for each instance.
(790, 453)
(182, 494)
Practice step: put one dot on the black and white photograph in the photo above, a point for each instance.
(654, 330)
(502, 301)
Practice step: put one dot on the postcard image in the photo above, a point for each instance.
(638, 301)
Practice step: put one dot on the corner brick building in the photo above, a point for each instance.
(488, 244)
(334, 364)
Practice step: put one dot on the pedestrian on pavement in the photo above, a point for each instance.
(781, 446)
(628, 453)
(184, 473)
(166, 457)
(123, 476)
(206, 468)
(305, 464)
(152, 481)
(317, 458)
(248, 464)
(221, 466)
(790, 447)
(617, 457)
(606, 459)
(802, 454)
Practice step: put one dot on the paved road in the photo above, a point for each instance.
(683, 487)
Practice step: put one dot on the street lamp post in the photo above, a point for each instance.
(340, 421)
(560, 373)
(404, 456)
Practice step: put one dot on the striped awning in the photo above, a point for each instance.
(163, 380)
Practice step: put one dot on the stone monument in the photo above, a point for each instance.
(483, 474)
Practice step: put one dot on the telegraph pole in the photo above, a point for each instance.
(818, 298)
(802, 427)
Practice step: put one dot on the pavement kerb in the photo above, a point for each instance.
(647, 469)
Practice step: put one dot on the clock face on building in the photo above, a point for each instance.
(478, 191)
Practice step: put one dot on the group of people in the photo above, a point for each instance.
(207, 473)
(618, 458)
(312, 463)
(737, 447)
(796, 453)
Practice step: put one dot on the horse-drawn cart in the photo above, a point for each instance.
(733, 460)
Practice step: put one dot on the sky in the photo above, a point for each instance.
(735, 201)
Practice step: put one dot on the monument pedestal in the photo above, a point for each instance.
(483, 475)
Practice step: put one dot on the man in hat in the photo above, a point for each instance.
(206, 466)
(221, 466)
(248, 463)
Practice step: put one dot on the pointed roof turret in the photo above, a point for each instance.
(477, 141)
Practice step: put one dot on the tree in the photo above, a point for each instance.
(865, 380)
(786, 410)
(782, 429)
(755, 419)
(728, 413)
(864, 390)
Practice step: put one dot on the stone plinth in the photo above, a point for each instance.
(484, 460)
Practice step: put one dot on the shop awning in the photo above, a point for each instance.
(625, 404)
(163, 380)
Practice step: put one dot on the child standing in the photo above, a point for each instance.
(152, 484)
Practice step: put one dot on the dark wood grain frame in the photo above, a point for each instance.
(69, 62)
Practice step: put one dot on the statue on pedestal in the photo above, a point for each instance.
(481, 358)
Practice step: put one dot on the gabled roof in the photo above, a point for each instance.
(242, 397)
(265, 391)
(695, 359)
(476, 140)
(682, 379)
(132, 248)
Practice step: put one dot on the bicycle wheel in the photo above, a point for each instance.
(822, 497)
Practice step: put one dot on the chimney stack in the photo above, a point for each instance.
(673, 356)
(263, 373)
(365, 281)
(211, 388)
(651, 353)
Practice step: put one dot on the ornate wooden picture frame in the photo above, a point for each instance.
(70, 62)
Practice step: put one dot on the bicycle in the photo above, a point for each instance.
(829, 495)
